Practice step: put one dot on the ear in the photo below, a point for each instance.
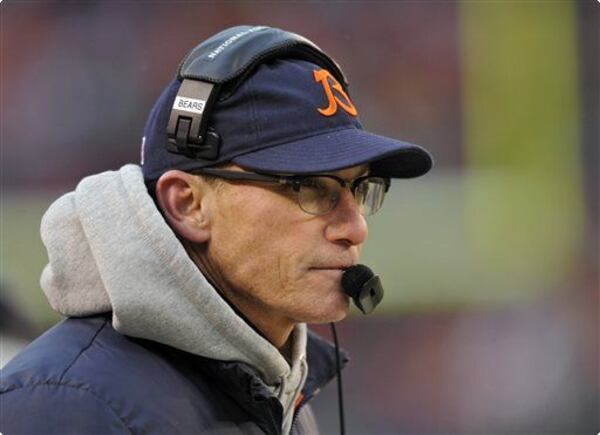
(183, 198)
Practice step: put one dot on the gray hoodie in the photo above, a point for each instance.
(110, 249)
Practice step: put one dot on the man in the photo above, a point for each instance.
(188, 307)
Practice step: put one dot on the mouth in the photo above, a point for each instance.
(334, 272)
(338, 268)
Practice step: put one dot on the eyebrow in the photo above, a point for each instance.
(363, 173)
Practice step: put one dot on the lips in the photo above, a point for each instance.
(333, 262)
(342, 267)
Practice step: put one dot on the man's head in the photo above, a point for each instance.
(283, 214)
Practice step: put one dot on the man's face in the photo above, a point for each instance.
(275, 261)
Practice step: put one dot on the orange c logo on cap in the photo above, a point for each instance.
(328, 81)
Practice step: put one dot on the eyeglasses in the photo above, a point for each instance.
(318, 194)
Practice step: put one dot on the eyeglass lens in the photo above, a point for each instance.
(319, 195)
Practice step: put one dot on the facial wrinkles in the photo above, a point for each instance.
(287, 269)
(264, 247)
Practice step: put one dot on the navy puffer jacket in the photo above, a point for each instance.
(83, 377)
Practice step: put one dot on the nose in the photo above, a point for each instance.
(347, 224)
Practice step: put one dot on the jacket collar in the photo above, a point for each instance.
(320, 356)
(244, 385)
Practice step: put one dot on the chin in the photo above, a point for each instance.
(326, 302)
(339, 317)
(331, 311)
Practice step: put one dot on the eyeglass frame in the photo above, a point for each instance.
(288, 180)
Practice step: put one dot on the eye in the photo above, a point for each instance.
(362, 187)
(370, 193)
(316, 184)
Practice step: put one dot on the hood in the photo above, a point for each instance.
(110, 249)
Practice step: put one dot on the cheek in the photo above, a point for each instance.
(292, 266)
(260, 245)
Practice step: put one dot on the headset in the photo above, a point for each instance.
(212, 71)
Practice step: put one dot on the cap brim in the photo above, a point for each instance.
(339, 149)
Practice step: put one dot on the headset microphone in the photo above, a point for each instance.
(363, 286)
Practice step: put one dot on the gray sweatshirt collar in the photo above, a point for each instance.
(110, 249)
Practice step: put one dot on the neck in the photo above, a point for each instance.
(276, 330)
(278, 333)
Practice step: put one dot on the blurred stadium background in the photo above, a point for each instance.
(490, 262)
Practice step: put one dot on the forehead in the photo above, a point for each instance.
(346, 173)
(351, 173)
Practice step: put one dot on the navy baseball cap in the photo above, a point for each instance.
(289, 116)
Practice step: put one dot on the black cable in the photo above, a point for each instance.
(339, 379)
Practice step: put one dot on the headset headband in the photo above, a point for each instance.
(216, 67)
